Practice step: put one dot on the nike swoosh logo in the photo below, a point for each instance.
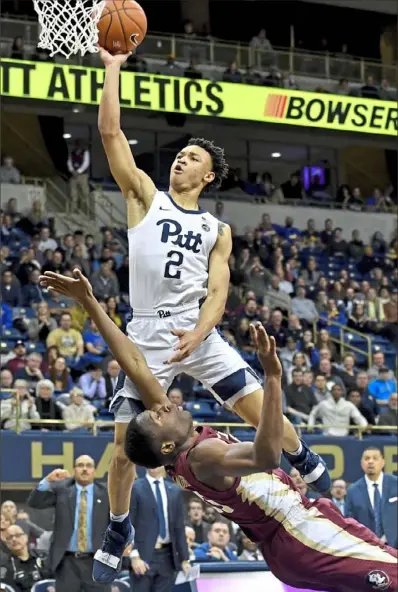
(165, 209)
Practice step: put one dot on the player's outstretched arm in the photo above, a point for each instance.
(215, 457)
(125, 351)
(133, 182)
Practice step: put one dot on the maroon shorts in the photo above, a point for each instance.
(329, 552)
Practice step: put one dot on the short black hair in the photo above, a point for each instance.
(374, 448)
(220, 167)
(140, 446)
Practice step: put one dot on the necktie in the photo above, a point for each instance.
(82, 522)
(161, 517)
(379, 531)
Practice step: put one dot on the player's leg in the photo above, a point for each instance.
(234, 384)
(121, 475)
(320, 549)
(120, 532)
(310, 465)
(249, 409)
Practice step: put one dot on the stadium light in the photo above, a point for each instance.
(133, 142)
(67, 136)
(276, 155)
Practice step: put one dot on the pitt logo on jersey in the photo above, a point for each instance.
(173, 230)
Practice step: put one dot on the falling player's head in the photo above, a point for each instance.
(200, 165)
(154, 438)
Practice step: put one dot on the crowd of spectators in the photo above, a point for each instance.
(296, 282)
(265, 67)
(265, 190)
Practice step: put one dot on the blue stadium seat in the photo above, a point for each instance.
(202, 410)
(224, 416)
(244, 435)
(22, 311)
(12, 334)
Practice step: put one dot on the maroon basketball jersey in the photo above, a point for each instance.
(258, 503)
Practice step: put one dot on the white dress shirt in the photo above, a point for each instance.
(163, 493)
(371, 489)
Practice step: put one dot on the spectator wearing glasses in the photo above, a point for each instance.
(21, 569)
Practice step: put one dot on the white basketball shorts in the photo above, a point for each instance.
(216, 364)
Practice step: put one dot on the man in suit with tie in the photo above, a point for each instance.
(373, 499)
(338, 492)
(160, 548)
(81, 516)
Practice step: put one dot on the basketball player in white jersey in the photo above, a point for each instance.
(179, 278)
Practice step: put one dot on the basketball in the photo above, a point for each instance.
(122, 26)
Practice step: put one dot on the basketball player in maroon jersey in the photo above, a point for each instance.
(306, 545)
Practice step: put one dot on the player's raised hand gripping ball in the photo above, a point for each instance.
(122, 26)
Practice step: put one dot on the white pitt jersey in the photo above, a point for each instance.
(169, 255)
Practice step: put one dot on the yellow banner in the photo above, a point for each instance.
(76, 84)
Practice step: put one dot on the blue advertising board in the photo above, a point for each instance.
(28, 457)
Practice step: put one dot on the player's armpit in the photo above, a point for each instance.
(133, 182)
(215, 458)
(217, 290)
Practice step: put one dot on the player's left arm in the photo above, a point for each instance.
(213, 307)
(125, 351)
(214, 457)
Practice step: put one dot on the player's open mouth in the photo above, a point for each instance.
(178, 168)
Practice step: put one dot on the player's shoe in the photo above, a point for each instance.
(312, 468)
(108, 560)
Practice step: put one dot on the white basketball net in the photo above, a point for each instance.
(69, 27)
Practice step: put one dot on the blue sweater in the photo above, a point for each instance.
(202, 550)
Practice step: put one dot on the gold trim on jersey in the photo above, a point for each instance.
(307, 525)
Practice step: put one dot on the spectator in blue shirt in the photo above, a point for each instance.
(95, 345)
(6, 316)
(217, 547)
(290, 232)
(93, 386)
(383, 387)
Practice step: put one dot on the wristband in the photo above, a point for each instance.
(134, 554)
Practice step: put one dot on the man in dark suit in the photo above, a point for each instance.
(373, 499)
(160, 548)
(81, 516)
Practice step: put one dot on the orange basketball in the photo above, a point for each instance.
(122, 26)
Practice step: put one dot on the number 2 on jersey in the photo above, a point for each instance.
(176, 259)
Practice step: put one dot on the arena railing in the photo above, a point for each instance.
(345, 345)
(358, 431)
(221, 53)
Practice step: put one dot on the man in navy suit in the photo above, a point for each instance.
(160, 547)
(373, 499)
